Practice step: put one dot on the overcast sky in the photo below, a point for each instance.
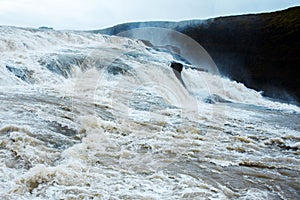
(95, 14)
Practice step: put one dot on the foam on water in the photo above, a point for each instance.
(90, 116)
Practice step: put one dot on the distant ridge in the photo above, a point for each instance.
(260, 50)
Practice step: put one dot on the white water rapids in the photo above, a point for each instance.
(87, 116)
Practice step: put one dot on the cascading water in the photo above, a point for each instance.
(88, 116)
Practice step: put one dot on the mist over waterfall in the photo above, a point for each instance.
(91, 116)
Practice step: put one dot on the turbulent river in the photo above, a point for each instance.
(89, 116)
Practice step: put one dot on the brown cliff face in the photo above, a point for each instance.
(261, 50)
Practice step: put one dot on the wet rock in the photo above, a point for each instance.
(118, 67)
(212, 99)
(63, 64)
(23, 74)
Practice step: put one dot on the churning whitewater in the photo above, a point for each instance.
(89, 116)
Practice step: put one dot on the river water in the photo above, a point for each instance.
(87, 116)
